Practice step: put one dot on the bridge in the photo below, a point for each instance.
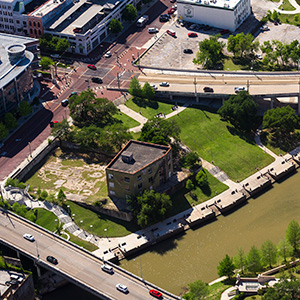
(75, 264)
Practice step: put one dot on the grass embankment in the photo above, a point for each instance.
(127, 121)
(215, 140)
(84, 244)
(149, 108)
(216, 290)
(286, 5)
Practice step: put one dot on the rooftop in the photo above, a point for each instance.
(142, 153)
(9, 71)
(227, 4)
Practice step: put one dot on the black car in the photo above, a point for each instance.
(65, 102)
(164, 18)
(188, 51)
(208, 89)
(97, 80)
(52, 259)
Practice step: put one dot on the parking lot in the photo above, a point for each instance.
(168, 51)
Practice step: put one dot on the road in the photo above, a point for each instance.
(73, 262)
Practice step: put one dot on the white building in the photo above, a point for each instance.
(225, 14)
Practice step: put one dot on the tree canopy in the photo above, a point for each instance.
(242, 45)
(87, 110)
(148, 92)
(46, 62)
(254, 260)
(293, 235)
(160, 131)
(210, 52)
(150, 207)
(135, 88)
(115, 26)
(197, 290)
(53, 43)
(226, 267)
(10, 121)
(24, 108)
(240, 110)
(129, 13)
(268, 253)
(3, 131)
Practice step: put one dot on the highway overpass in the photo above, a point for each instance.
(75, 264)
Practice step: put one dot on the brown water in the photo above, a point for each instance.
(195, 255)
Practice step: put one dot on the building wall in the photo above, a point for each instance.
(122, 184)
(219, 17)
(35, 27)
(6, 17)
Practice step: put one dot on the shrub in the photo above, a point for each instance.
(201, 178)
(44, 195)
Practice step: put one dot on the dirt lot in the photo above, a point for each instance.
(81, 177)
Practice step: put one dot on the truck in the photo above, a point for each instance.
(142, 21)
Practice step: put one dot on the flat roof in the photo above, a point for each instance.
(143, 155)
(9, 71)
(46, 8)
(226, 4)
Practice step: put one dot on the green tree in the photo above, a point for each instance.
(115, 26)
(59, 228)
(268, 253)
(296, 18)
(189, 184)
(293, 235)
(286, 289)
(61, 195)
(10, 121)
(275, 15)
(135, 88)
(284, 249)
(32, 217)
(210, 52)
(226, 267)
(197, 290)
(201, 178)
(62, 45)
(44, 195)
(24, 108)
(191, 159)
(129, 13)
(160, 131)
(240, 110)
(242, 45)
(3, 131)
(147, 91)
(150, 207)
(253, 260)
(86, 109)
(240, 260)
(46, 62)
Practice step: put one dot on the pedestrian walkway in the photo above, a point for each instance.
(289, 12)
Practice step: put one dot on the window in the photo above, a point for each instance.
(149, 171)
(127, 188)
(40, 33)
(18, 22)
(31, 31)
(111, 185)
(112, 192)
(140, 185)
(29, 23)
(139, 177)
(126, 179)
(34, 24)
(8, 7)
(110, 176)
(11, 21)
(24, 23)
(150, 179)
(39, 25)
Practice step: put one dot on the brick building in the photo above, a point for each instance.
(138, 166)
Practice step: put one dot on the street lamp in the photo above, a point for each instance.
(91, 226)
(29, 148)
(105, 230)
(257, 162)
(73, 217)
(68, 209)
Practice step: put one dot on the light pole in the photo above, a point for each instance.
(91, 226)
(257, 162)
(88, 81)
(68, 209)
(141, 269)
(37, 250)
(195, 83)
(29, 149)
(105, 230)
(73, 217)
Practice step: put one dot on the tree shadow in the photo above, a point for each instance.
(166, 245)
(248, 137)
(145, 103)
(206, 190)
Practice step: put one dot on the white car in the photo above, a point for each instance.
(259, 56)
(107, 268)
(54, 55)
(154, 87)
(28, 237)
(164, 84)
(152, 30)
(264, 28)
(122, 288)
(107, 54)
(239, 89)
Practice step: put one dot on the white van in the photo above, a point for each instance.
(107, 268)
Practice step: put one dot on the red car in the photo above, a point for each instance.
(224, 31)
(192, 34)
(92, 67)
(52, 123)
(171, 11)
(77, 30)
(155, 294)
(171, 32)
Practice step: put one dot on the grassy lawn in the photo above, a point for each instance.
(289, 19)
(184, 199)
(286, 5)
(127, 121)
(215, 140)
(46, 219)
(136, 135)
(84, 244)
(115, 227)
(216, 290)
(231, 66)
(149, 108)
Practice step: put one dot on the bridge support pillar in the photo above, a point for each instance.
(18, 254)
(272, 102)
(171, 97)
(197, 98)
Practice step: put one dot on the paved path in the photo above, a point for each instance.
(225, 296)
(289, 12)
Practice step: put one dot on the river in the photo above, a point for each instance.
(196, 254)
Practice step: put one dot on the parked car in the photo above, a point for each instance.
(171, 11)
(239, 89)
(207, 89)
(188, 51)
(164, 18)
(14, 283)
(224, 31)
(54, 55)
(192, 34)
(97, 80)
(164, 84)
(193, 26)
(264, 28)
(107, 269)
(28, 237)
(171, 32)
(107, 54)
(152, 30)
(52, 123)
(52, 260)
(92, 67)
(73, 93)
(65, 102)
(154, 87)
(77, 30)
(259, 56)
(155, 294)
(122, 288)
